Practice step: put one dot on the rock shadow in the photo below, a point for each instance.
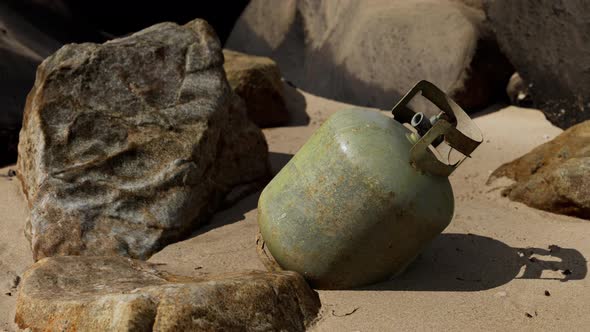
(468, 262)
(8, 146)
(229, 215)
(278, 160)
(237, 211)
(296, 106)
(489, 110)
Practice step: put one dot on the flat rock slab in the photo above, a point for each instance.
(130, 145)
(553, 176)
(86, 293)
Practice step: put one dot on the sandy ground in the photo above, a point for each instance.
(491, 269)
(15, 253)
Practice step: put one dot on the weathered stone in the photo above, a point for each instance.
(554, 176)
(77, 293)
(371, 55)
(548, 43)
(258, 81)
(130, 145)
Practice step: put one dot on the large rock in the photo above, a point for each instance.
(371, 55)
(258, 81)
(22, 48)
(549, 44)
(553, 176)
(118, 294)
(31, 30)
(130, 145)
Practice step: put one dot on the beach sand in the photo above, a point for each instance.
(490, 270)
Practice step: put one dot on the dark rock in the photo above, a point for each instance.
(371, 55)
(119, 294)
(258, 81)
(130, 145)
(548, 43)
(554, 176)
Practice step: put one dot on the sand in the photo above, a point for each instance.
(15, 252)
(471, 278)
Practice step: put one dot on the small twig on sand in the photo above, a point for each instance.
(346, 314)
(497, 188)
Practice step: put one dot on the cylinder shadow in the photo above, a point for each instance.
(468, 262)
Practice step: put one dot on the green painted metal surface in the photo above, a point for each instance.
(363, 197)
(349, 209)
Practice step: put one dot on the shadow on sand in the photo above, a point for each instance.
(467, 262)
(237, 212)
(278, 160)
(296, 105)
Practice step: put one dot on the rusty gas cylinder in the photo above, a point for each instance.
(366, 194)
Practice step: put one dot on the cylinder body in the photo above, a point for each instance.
(349, 209)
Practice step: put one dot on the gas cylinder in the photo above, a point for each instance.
(366, 193)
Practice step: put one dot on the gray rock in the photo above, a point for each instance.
(553, 176)
(258, 81)
(548, 42)
(371, 55)
(130, 145)
(119, 294)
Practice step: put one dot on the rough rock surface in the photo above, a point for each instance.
(549, 44)
(76, 293)
(129, 145)
(22, 48)
(371, 55)
(258, 81)
(554, 176)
